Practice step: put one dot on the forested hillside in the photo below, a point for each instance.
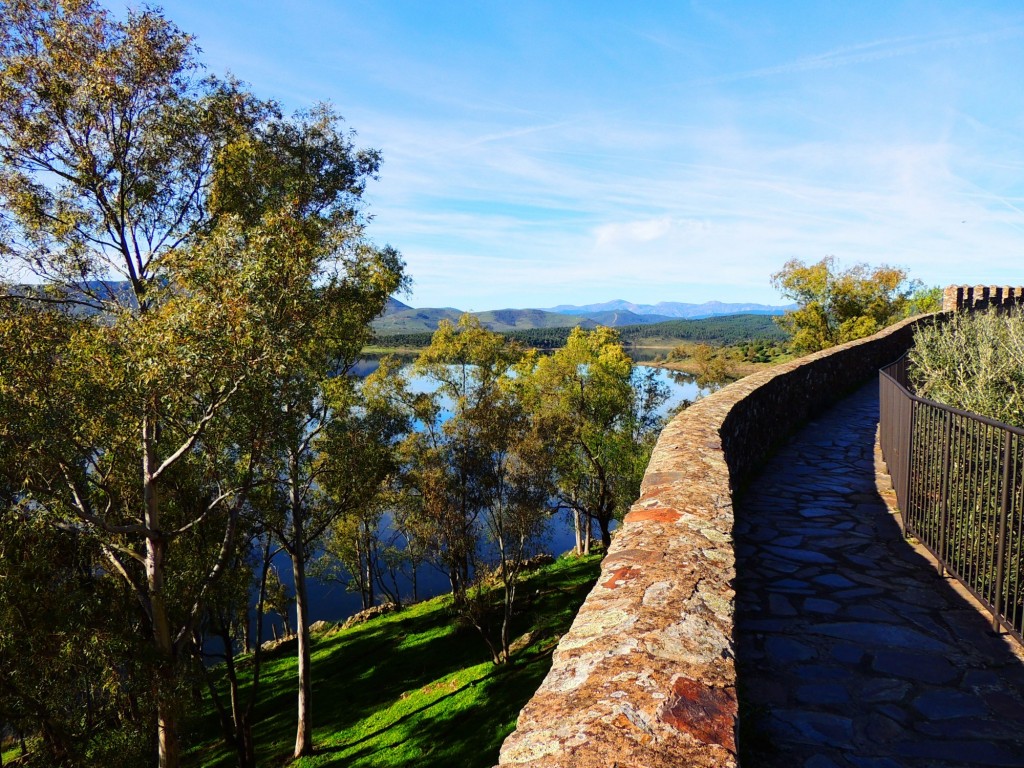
(719, 331)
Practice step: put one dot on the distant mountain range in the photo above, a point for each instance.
(401, 318)
(672, 309)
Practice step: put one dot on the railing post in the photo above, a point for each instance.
(907, 438)
(1004, 506)
(947, 440)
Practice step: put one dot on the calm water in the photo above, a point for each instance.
(333, 603)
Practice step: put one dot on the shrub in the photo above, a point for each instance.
(973, 362)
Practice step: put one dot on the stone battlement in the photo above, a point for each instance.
(959, 297)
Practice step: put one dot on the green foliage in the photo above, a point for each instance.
(143, 421)
(836, 305)
(359, 463)
(970, 361)
(399, 690)
(925, 301)
(481, 474)
(71, 668)
(717, 331)
(760, 351)
(973, 362)
(603, 426)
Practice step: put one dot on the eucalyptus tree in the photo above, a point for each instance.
(362, 541)
(481, 473)
(604, 420)
(331, 463)
(191, 250)
(309, 168)
(446, 457)
(516, 504)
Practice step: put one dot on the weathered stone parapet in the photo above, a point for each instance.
(960, 297)
(645, 677)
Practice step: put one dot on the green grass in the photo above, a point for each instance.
(412, 688)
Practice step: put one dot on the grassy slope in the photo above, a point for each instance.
(411, 688)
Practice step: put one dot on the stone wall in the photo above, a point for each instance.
(958, 297)
(645, 677)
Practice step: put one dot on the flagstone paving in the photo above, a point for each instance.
(851, 649)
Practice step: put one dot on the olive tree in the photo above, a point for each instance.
(973, 362)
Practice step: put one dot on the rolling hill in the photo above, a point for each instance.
(411, 320)
(401, 318)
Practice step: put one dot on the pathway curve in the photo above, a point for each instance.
(851, 649)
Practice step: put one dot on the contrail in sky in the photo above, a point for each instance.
(872, 51)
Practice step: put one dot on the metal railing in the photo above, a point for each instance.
(959, 482)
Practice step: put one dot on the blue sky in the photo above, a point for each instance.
(545, 153)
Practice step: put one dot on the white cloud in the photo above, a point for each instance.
(734, 151)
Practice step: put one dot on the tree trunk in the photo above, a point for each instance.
(304, 729)
(168, 753)
(510, 596)
(242, 731)
(167, 734)
(577, 529)
(606, 534)
(364, 575)
(587, 533)
(247, 631)
(246, 747)
(367, 551)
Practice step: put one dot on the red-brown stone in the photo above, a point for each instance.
(657, 514)
(708, 714)
(621, 574)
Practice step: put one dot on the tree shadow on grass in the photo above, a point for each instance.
(436, 736)
(361, 673)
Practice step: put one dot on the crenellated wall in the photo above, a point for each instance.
(645, 677)
(958, 297)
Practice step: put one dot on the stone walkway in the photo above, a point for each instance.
(851, 650)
